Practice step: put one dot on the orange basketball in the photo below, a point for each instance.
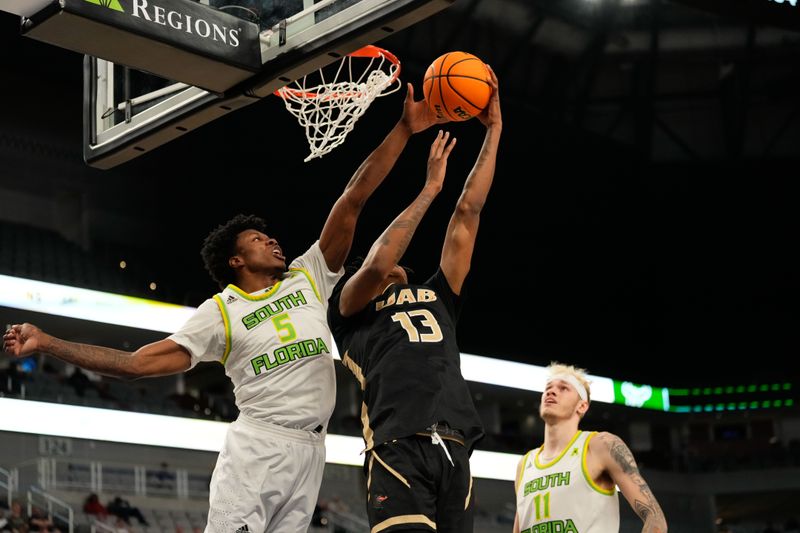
(456, 86)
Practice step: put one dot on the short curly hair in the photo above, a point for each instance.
(220, 245)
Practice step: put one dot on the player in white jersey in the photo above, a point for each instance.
(568, 485)
(268, 327)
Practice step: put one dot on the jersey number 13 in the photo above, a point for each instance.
(429, 330)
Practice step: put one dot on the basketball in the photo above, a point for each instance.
(456, 86)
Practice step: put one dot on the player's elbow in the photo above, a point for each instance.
(141, 365)
(467, 209)
(134, 369)
(376, 270)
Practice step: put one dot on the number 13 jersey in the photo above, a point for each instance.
(402, 349)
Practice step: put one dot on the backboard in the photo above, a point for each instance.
(128, 112)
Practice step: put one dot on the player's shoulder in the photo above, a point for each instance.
(523, 464)
(605, 442)
(527, 457)
(604, 437)
(313, 252)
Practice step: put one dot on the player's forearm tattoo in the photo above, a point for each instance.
(408, 224)
(649, 510)
(95, 358)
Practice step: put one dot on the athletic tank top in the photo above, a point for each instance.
(560, 497)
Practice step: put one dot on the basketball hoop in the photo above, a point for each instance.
(328, 110)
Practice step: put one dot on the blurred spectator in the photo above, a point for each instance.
(163, 477)
(318, 519)
(11, 379)
(124, 510)
(770, 529)
(121, 526)
(39, 521)
(338, 506)
(17, 521)
(791, 526)
(93, 506)
(79, 381)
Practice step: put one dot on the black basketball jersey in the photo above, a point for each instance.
(402, 349)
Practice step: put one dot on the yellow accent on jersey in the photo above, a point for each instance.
(310, 280)
(227, 321)
(557, 459)
(521, 469)
(585, 468)
(252, 298)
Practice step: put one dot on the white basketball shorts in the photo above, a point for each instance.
(267, 478)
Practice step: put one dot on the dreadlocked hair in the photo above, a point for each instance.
(220, 245)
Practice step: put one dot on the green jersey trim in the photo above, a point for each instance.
(557, 459)
(227, 321)
(521, 469)
(309, 278)
(585, 469)
(252, 298)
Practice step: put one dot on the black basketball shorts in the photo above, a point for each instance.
(412, 485)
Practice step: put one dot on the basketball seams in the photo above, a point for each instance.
(460, 95)
(439, 85)
(444, 97)
(454, 89)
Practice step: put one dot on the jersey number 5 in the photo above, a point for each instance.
(428, 321)
(284, 328)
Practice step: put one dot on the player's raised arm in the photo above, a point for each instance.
(463, 228)
(386, 252)
(337, 234)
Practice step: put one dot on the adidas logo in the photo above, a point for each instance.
(231, 299)
(243, 529)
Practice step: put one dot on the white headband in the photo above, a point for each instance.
(572, 380)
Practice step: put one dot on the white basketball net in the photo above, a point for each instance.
(328, 110)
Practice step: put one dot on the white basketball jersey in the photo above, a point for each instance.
(560, 497)
(275, 344)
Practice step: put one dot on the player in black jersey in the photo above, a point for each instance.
(399, 340)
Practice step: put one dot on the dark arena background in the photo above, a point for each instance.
(643, 224)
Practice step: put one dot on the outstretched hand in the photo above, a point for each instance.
(417, 115)
(437, 159)
(21, 340)
(491, 115)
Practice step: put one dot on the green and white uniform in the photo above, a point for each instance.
(561, 497)
(276, 346)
